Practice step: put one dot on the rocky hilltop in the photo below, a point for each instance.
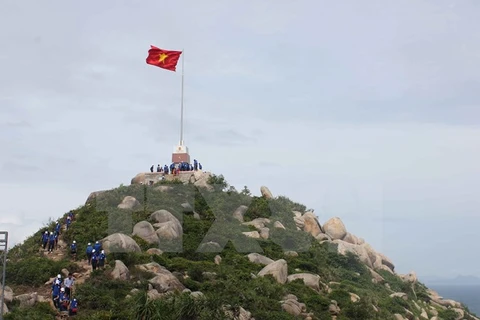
(192, 247)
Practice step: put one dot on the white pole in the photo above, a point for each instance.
(181, 109)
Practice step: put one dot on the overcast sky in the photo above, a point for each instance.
(364, 110)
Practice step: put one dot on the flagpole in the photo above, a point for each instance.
(181, 108)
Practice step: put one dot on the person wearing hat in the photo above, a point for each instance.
(73, 308)
(51, 242)
(89, 252)
(101, 259)
(94, 259)
(55, 295)
(73, 250)
(62, 300)
(45, 237)
(58, 227)
(97, 247)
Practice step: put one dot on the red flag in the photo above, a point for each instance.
(165, 59)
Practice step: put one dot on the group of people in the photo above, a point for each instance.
(50, 239)
(96, 256)
(175, 168)
(62, 290)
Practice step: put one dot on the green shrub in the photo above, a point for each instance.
(35, 271)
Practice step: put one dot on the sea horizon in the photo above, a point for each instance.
(467, 294)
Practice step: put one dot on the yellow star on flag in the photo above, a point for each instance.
(162, 57)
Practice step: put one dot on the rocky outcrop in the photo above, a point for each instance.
(164, 281)
(310, 280)
(129, 203)
(240, 212)
(266, 192)
(277, 269)
(259, 259)
(169, 227)
(27, 299)
(335, 228)
(119, 242)
(197, 178)
(311, 224)
(120, 272)
(8, 294)
(145, 230)
(95, 195)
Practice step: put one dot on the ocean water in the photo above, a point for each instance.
(468, 295)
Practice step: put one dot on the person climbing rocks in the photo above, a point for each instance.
(61, 300)
(59, 280)
(56, 295)
(101, 260)
(58, 227)
(165, 169)
(94, 259)
(56, 240)
(151, 168)
(70, 214)
(199, 166)
(69, 221)
(51, 242)
(68, 283)
(195, 164)
(73, 250)
(45, 237)
(73, 308)
(89, 252)
(97, 247)
(159, 168)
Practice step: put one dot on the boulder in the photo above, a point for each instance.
(240, 212)
(169, 230)
(8, 294)
(266, 192)
(335, 228)
(119, 242)
(161, 216)
(145, 230)
(410, 277)
(257, 223)
(154, 251)
(401, 295)
(264, 233)
(27, 299)
(293, 307)
(252, 234)
(217, 259)
(311, 224)
(278, 225)
(350, 238)
(165, 281)
(5, 309)
(259, 259)
(354, 297)
(129, 203)
(210, 246)
(120, 272)
(362, 253)
(277, 269)
(323, 237)
(333, 308)
(310, 280)
(94, 195)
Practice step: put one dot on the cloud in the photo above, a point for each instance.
(368, 111)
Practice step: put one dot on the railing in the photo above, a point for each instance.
(3, 250)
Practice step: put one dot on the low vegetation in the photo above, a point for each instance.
(232, 285)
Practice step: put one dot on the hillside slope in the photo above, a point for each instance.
(191, 247)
